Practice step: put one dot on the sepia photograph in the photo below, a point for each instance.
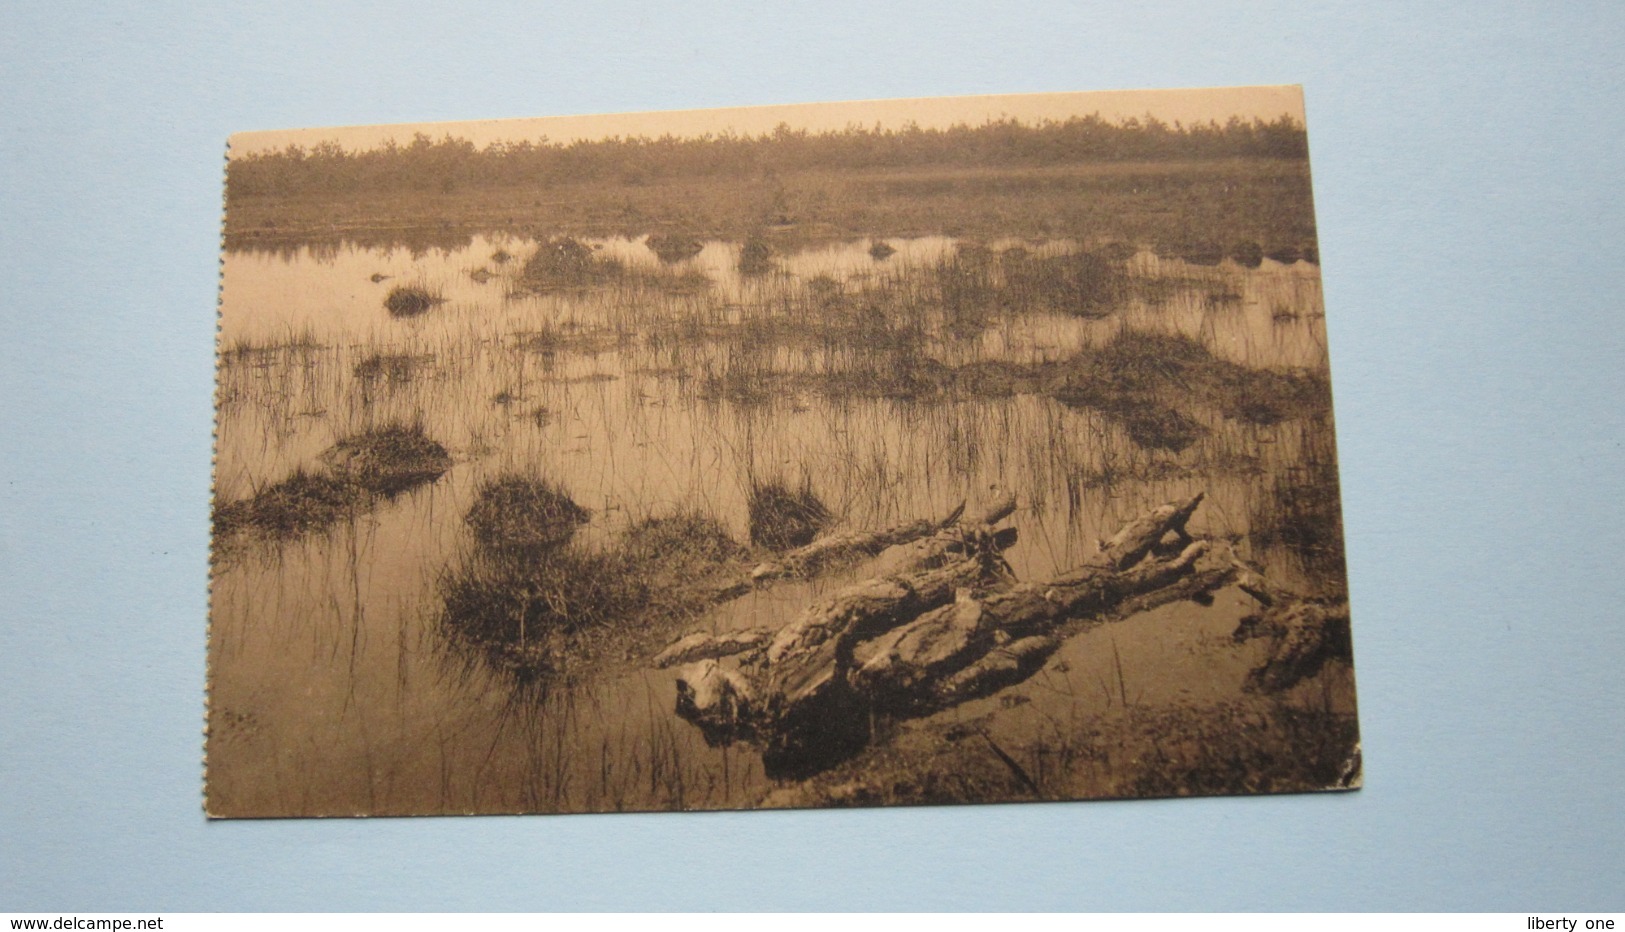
(933, 451)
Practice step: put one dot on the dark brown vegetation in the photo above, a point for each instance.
(361, 470)
(782, 518)
(457, 165)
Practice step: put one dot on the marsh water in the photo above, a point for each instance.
(334, 689)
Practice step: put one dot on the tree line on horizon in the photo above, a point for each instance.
(451, 163)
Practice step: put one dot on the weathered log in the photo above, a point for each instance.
(846, 545)
(1034, 615)
(1137, 538)
(705, 645)
(1198, 587)
(1032, 608)
(808, 661)
(867, 609)
(1304, 633)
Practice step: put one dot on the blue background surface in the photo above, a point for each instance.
(1467, 167)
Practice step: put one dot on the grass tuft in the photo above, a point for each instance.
(386, 461)
(527, 616)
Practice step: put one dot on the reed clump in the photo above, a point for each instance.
(565, 263)
(386, 461)
(304, 501)
(411, 301)
(755, 256)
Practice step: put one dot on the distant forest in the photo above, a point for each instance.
(450, 164)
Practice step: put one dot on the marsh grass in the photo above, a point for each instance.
(565, 263)
(1303, 513)
(1083, 284)
(882, 385)
(391, 367)
(251, 351)
(1148, 381)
